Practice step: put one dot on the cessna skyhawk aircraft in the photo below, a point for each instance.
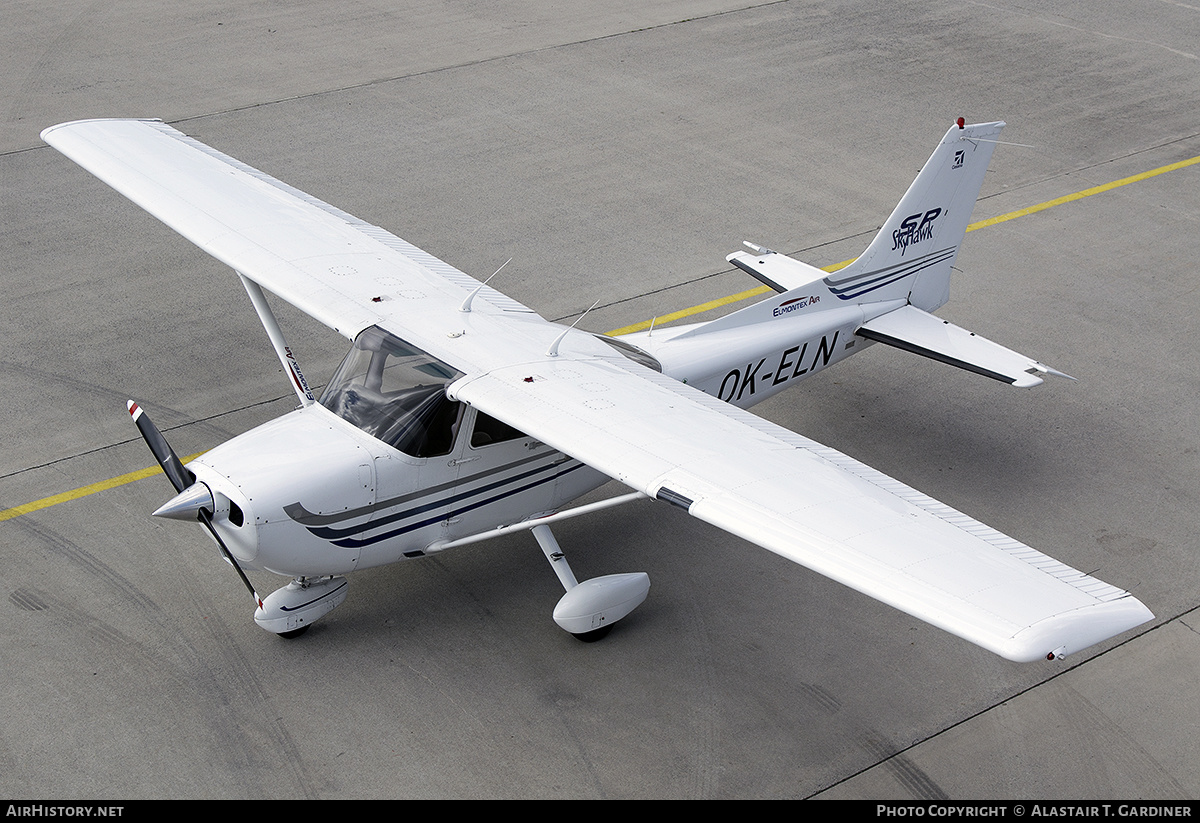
(460, 414)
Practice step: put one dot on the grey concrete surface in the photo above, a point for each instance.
(616, 151)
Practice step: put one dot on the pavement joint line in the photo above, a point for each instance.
(124, 479)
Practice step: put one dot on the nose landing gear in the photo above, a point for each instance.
(288, 612)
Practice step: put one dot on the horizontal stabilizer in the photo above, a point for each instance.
(778, 271)
(922, 333)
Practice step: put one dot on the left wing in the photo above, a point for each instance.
(723, 465)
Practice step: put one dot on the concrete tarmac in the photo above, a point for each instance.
(616, 151)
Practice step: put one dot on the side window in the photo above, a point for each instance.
(489, 430)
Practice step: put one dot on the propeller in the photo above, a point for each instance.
(179, 476)
(191, 495)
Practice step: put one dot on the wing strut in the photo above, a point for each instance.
(526, 525)
(282, 349)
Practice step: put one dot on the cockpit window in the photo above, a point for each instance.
(396, 393)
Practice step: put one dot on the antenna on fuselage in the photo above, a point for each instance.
(466, 306)
(553, 350)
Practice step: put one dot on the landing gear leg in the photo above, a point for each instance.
(558, 560)
(589, 609)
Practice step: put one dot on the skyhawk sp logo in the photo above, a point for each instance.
(914, 229)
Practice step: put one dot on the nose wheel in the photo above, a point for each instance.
(288, 612)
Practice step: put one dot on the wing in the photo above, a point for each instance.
(808, 503)
(344, 272)
(725, 466)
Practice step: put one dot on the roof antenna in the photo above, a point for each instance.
(466, 306)
(553, 351)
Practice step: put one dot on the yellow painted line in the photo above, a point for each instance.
(711, 304)
(682, 313)
(1079, 195)
(84, 491)
(991, 221)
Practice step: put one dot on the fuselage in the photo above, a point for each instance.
(386, 468)
(345, 500)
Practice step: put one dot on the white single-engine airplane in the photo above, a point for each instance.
(460, 414)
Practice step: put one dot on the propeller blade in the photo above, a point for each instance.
(206, 519)
(175, 471)
(190, 504)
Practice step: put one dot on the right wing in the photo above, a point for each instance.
(808, 503)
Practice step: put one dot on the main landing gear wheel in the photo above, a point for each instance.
(593, 635)
(588, 609)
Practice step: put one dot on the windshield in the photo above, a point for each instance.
(396, 393)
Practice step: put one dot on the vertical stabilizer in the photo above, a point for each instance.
(911, 256)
